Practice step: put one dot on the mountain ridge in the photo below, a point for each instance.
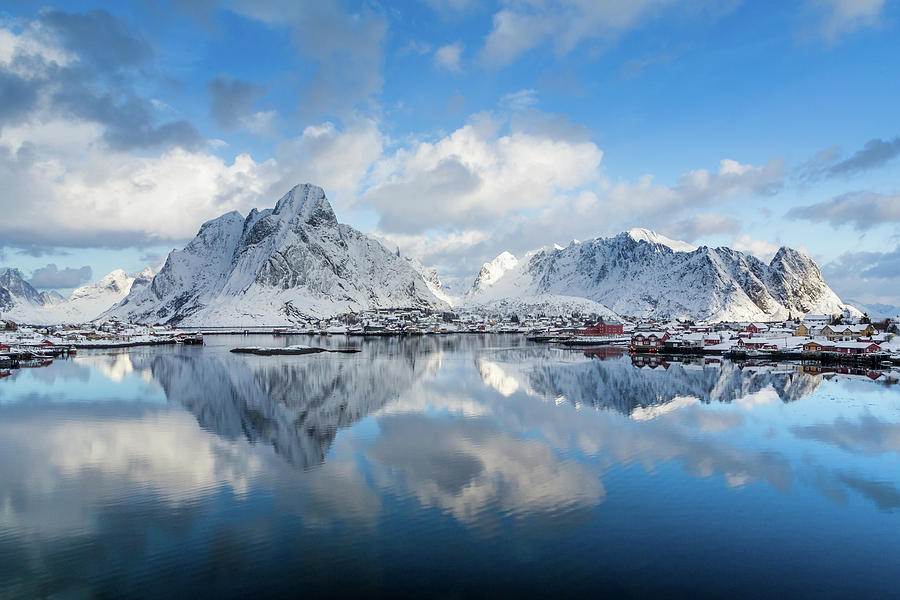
(274, 267)
(647, 275)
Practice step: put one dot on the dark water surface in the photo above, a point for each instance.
(444, 467)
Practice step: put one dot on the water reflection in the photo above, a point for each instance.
(325, 464)
(296, 406)
(639, 386)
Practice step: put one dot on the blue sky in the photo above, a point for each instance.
(454, 129)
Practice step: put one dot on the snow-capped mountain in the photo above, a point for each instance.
(275, 266)
(19, 301)
(641, 273)
(88, 301)
(876, 310)
(17, 296)
(492, 271)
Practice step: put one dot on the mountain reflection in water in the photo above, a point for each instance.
(509, 461)
(297, 407)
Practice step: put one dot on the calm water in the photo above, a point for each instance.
(443, 467)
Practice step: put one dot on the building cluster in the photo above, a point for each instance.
(21, 340)
(816, 334)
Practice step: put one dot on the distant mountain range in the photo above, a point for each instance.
(20, 301)
(640, 273)
(876, 310)
(295, 261)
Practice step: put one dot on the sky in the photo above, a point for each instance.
(454, 129)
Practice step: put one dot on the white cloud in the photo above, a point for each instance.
(519, 100)
(475, 175)
(761, 249)
(336, 159)
(260, 123)
(448, 57)
(523, 25)
(65, 188)
(843, 17)
(459, 200)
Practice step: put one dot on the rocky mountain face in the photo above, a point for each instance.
(16, 294)
(643, 274)
(275, 266)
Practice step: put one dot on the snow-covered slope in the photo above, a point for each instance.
(639, 234)
(275, 266)
(24, 303)
(643, 274)
(492, 271)
(88, 301)
(18, 298)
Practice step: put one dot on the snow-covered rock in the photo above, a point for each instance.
(275, 266)
(641, 273)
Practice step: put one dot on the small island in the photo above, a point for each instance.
(288, 350)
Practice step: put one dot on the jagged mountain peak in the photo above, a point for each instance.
(146, 274)
(277, 266)
(640, 234)
(308, 202)
(493, 270)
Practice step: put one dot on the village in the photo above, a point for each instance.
(814, 337)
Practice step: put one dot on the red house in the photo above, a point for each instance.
(603, 327)
(649, 339)
(857, 348)
(756, 327)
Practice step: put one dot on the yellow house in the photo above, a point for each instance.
(801, 330)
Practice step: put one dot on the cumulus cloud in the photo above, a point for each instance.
(448, 57)
(71, 122)
(863, 210)
(63, 189)
(491, 186)
(761, 249)
(231, 100)
(839, 18)
(336, 158)
(474, 175)
(80, 67)
(51, 277)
